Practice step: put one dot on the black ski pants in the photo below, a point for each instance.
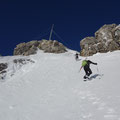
(87, 70)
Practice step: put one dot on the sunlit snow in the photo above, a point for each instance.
(52, 88)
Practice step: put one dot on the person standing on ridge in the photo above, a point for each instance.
(86, 66)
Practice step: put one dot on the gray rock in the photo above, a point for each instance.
(3, 66)
(105, 33)
(12, 68)
(107, 38)
(22, 61)
(87, 46)
(45, 45)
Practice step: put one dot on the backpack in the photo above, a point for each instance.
(84, 62)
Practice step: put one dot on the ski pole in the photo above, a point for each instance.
(97, 69)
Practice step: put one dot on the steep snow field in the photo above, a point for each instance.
(52, 88)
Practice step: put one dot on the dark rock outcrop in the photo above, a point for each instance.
(45, 45)
(107, 38)
(8, 69)
(22, 61)
(3, 67)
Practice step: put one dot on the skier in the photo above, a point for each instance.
(77, 57)
(86, 65)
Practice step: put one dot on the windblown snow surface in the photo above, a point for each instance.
(52, 88)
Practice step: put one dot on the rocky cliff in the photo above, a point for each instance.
(45, 45)
(107, 38)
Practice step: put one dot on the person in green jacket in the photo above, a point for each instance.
(86, 66)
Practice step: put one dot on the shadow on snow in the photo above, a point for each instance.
(96, 76)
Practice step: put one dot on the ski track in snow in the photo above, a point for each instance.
(53, 89)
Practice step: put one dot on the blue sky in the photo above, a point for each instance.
(73, 21)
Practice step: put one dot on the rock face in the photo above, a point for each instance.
(45, 45)
(22, 61)
(107, 38)
(8, 69)
(3, 66)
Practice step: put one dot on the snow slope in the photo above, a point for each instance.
(52, 88)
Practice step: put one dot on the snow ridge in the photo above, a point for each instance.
(52, 88)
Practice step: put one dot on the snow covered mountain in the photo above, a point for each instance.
(49, 86)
